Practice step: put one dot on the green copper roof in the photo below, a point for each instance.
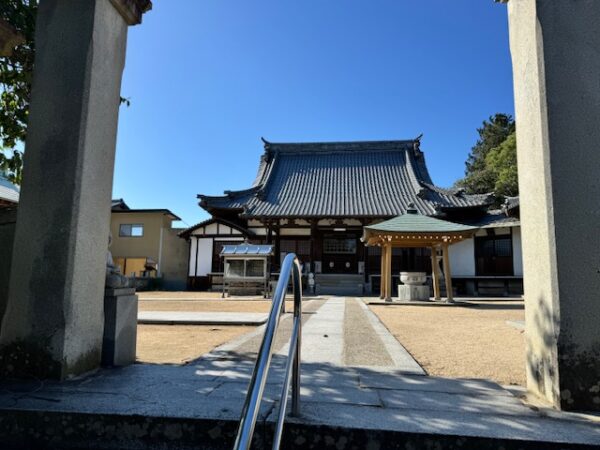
(411, 222)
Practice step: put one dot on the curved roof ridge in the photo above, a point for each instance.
(412, 172)
(229, 194)
(268, 171)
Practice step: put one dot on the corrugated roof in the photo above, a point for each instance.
(341, 179)
(247, 250)
(417, 223)
(8, 191)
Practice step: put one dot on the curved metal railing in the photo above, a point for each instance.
(290, 267)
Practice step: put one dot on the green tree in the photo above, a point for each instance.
(501, 162)
(15, 86)
(479, 176)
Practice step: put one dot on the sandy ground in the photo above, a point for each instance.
(209, 305)
(189, 295)
(177, 344)
(462, 342)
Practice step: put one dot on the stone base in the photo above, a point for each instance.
(410, 293)
(120, 327)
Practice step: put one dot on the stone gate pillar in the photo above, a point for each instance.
(555, 46)
(53, 324)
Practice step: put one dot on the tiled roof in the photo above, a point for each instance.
(342, 179)
(510, 204)
(9, 193)
(494, 219)
(417, 223)
(118, 204)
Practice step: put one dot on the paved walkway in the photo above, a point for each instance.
(355, 375)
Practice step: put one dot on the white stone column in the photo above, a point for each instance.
(54, 320)
(555, 46)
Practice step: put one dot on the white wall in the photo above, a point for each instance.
(462, 258)
(517, 252)
(192, 262)
(205, 248)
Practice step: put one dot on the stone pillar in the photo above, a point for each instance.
(53, 324)
(556, 63)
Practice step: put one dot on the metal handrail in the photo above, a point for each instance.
(290, 267)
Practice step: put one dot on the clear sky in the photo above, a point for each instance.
(208, 78)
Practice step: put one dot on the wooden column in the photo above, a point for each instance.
(313, 236)
(388, 273)
(435, 274)
(447, 274)
(382, 270)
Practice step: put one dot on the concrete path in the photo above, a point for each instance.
(340, 331)
(200, 318)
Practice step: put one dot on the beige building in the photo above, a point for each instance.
(144, 244)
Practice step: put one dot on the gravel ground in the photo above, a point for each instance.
(362, 347)
(462, 342)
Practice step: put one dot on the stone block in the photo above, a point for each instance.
(120, 327)
(411, 292)
(8, 222)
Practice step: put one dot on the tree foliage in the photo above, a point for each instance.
(16, 73)
(501, 162)
(492, 163)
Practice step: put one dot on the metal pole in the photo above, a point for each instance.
(297, 356)
(251, 407)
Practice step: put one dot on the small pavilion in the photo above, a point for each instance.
(415, 230)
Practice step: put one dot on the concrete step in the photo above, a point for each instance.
(24, 430)
(339, 284)
(341, 290)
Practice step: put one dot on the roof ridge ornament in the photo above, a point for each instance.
(417, 143)
(266, 143)
(411, 209)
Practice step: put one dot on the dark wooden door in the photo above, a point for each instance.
(494, 256)
(340, 253)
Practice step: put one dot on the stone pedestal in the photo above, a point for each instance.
(120, 327)
(408, 292)
(53, 324)
(556, 61)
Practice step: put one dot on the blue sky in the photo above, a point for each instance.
(208, 78)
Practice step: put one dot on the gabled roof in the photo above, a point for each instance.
(118, 204)
(341, 179)
(9, 193)
(188, 231)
